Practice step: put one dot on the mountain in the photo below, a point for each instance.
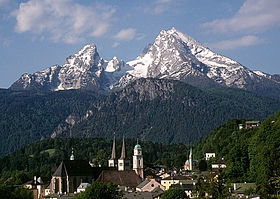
(173, 55)
(83, 70)
(164, 110)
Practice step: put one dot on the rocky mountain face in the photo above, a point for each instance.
(173, 55)
(176, 111)
(83, 70)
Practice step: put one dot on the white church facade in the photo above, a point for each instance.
(123, 163)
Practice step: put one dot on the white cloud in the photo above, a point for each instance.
(159, 6)
(115, 45)
(63, 20)
(126, 34)
(254, 16)
(245, 41)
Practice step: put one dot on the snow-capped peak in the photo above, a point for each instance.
(88, 55)
(113, 65)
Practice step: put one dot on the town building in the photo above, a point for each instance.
(149, 185)
(208, 156)
(219, 165)
(167, 182)
(37, 187)
(82, 187)
(239, 190)
(70, 174)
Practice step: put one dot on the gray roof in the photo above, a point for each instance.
(122, 178)
(142, 184)
(83, 185)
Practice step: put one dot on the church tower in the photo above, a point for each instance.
(113, 160)
(123, 163)
(138, 160)
(189, 163)
(190, 160)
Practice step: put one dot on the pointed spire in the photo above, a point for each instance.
(123, 150)
(113, 155)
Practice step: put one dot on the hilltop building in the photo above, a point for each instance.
(208, 156)
(249, 124)
(219, 165)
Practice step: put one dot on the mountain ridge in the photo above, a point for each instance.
(173, 55)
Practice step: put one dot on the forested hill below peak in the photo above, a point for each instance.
(28, 116)
(167, 111)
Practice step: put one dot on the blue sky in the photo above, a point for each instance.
(36, 34)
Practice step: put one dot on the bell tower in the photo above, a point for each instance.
(138, 160)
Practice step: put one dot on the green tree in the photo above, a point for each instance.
(15, 193)
(100, 191)
(212, 186)
(202, 165)
(174, 193)
(101, 157)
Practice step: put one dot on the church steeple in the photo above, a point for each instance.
(123, 150)
(123, 164)
(190, 160)
(113, 161)
(113, 155)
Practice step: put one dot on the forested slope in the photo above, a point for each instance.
(251, 155)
